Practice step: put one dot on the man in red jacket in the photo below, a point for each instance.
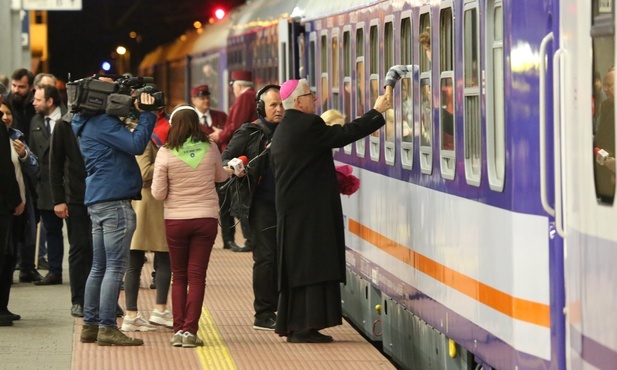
(243, 110)
(211, 120)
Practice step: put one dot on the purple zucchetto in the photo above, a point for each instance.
(287, 88)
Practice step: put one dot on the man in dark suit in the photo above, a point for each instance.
(67, 173)
(310, 231)
(211, 119)
(49, 113)
(10, 204)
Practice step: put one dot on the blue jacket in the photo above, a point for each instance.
(109, 150)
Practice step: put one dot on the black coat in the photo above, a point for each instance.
(249, 140)
(39, 144)
(310, 232)
(67, 171)
(9, 188)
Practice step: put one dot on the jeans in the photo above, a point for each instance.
(190, 245)
(113, 225)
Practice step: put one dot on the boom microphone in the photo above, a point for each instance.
(238, 164)
(601, 155)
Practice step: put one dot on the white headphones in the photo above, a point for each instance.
(183, 107)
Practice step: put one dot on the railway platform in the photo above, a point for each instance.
(47, 337)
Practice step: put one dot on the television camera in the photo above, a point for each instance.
(92, 96)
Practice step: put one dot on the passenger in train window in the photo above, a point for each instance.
(185, 172)
(605, 139)
(394, 74)
(254, 199)
(425, 40)
(310, 230)
(243, 110)
(598, 97)
(333, 117)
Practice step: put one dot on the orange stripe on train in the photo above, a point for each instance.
(519, 309)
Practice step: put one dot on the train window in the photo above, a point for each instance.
(388, 62)
(312, 60)
(360, 84)
(325, 87)
(603, 77)
(406, 95)
(346, 54)
(471, 93)
(335, 71)
(335, 64)
(374, 50)
(374, 84)
(495, 124)
(447, 154)
(426, 101)
(301, 57)
(347, 80)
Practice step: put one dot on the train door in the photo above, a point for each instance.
(288, 30)
(587, 48)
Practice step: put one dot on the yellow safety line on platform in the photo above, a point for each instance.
(214, 353)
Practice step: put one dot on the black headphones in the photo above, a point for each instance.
(261, 107)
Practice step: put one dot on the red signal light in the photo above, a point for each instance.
(219, 13)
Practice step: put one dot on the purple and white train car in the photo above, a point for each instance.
(584, 116)
(453, 260)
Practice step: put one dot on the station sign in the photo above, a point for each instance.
(51, 4)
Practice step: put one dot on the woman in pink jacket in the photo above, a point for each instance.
(185, 171)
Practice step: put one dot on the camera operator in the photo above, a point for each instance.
(113, 180)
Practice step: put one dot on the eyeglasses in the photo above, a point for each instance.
(308, 94)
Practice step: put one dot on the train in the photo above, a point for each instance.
(484, 232)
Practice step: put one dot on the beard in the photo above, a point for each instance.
(20, 100)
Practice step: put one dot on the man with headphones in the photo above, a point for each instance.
(253, 196)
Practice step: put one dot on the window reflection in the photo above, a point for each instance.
(602, 75)
(447, 121)
(425, 112)
(406, 93)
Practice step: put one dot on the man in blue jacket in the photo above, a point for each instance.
(113, 180)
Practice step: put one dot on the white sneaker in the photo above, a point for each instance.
(136, 324)
(176, 340)
(162, 318)
(191, 340)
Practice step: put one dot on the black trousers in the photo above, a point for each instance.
(263, 225)
(7, 262)
(133, 274)
(55, 240)
(228, 222)
(80, 251)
